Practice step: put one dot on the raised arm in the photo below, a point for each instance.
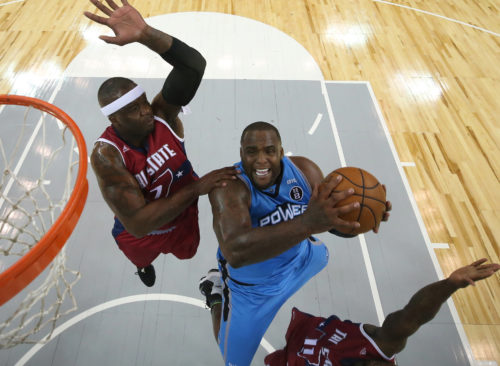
(125, 198)
(241, 244)
(188, 64)
(424, 305)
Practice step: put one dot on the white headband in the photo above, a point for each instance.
(121, 102)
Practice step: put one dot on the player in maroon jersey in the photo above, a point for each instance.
(140, 160)
(331, 342)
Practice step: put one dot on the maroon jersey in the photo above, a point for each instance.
(325, 342)
(161, 168)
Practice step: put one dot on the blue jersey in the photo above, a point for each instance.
(283, 201)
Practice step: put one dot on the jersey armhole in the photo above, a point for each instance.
(374, 344)
(100, 139)
(159, 119)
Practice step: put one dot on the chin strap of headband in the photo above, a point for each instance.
(121, 102)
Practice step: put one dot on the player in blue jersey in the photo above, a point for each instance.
(264, 223)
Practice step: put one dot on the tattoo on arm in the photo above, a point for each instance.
(231, 215)
(119, 188)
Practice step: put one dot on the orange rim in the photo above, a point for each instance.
(28, 267)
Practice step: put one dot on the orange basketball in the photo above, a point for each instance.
(368, 192)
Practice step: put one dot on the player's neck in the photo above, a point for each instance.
(133, 141)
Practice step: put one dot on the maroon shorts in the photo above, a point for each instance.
(181, 238)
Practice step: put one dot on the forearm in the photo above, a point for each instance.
(421, 308)
(425, 304)
(156, 40)
(259, 244)
(173, 50)
(155, 214)
(183, 81)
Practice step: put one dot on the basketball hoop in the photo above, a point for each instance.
(44, 231)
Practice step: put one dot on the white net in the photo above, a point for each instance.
(39, 163)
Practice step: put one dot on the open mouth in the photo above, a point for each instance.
(262, 172)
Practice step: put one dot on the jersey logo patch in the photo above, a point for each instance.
(296, 193)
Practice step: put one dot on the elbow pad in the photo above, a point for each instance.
(185, 78)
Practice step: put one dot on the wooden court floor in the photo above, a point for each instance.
(433, 66)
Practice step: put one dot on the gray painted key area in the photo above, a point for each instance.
(400, 258)
(169, 333)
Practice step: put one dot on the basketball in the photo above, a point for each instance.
(368, 192)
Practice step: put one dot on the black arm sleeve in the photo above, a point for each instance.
(183, 81)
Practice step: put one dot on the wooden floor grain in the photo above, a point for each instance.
(437, 82)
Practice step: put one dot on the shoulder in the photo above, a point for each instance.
(371, 330)
(166, 128)
(310, 169)
(235, 192)
(102, 148)
(388, 345)
(104, 156)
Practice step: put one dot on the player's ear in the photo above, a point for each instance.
(282, 153)
(241, 153)
(113, 119)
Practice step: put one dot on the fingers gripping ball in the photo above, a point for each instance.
(368, 192)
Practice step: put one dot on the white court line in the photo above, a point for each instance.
(315, 124)
(439, 16)
(11, 2)
(371, 280)
(267, 346)
(9, 184)
(117, 302)
(364, 249)
(437, 267)
(440, 246)
(333, 124)
(407, 163)
(344, 82)
(486, 363)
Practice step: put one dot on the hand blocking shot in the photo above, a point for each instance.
(264, 223)
(140, 160)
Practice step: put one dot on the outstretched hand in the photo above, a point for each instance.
(125, 21)
(476, 271)
(215, 178)
(322, 215)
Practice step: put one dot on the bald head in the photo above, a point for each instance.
(113, 89)
(260, 126)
